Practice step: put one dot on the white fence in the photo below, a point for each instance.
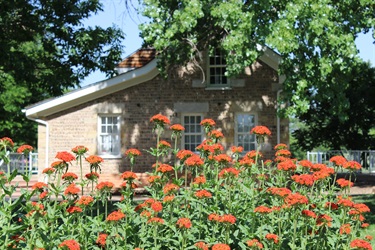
(21, 163)
(365, 157)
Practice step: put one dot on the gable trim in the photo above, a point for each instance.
(93, 91)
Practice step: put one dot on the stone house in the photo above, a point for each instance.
(113, 115)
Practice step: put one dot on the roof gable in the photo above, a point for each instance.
(139, 67)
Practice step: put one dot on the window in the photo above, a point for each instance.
(109, 135)
(216, 69)
(243, 124)
(193, 134)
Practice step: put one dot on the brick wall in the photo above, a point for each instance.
(137, 104)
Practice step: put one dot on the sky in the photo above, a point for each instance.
(115, 13)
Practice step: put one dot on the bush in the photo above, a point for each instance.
(205, 200)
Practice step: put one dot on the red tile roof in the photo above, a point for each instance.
(138, 59)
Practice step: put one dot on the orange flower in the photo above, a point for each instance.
(223, 158)
(105, 186)
(48, 171)
(153, 179)
(228, 218)
(164, 168)
(338, 160)
(160, 120)
(39, 186)
(203, 194)
(157, 206)
(305, 163)
(92, 176)
(287, 165)
(132, 152)
(65, 156)
(296, 199)
(304, 179)
(260, 130)
(155, 220)
(246, 162)
(201, 245)
(184, 223)
(309, 213)
(229, 172)
(6, 141)
(74, 209)
(331, 205)
(102, 240)
(115, 216)
(283, 152)
(324, 220)
(43, 195)
(279, 191)
(72, 189)
(25, 149)
(69, 244)
(177, 127)
(216, 134)
(85, 201)
(254, 243)
(220, 246)
(361, 208)
(360, 244)
(194, 161)
(273, 237)
(164, 145)
(168, 198)
(281, 146)
(59, 164)
(199, 180)
(94, 159)
(262, 210)
(253, 154)
(345, 229)
(184, 154)
(69, 176)
(352, 165)
(344, 183)
(80, 150)
(170, 188)
(237, 150)
(129, 175)
(208, 123)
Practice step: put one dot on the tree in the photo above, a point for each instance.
(354, 127)
(45, 50)
(315, 39)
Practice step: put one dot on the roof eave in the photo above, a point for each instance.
(94, 91)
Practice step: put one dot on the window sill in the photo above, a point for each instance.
(111, 156)
(218, 88)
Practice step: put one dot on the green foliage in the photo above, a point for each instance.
(351, 127)
(315, 39)
(45, 49)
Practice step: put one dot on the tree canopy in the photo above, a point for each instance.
(45, 50)
(354, 128)
(315, 39)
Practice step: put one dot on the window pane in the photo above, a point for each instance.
(109, 137)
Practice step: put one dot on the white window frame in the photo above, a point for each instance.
(117, 135)
(201, 133)
(246, 132)
(217, 84)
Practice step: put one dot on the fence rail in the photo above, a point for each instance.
(21, 163)
(365, 157)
